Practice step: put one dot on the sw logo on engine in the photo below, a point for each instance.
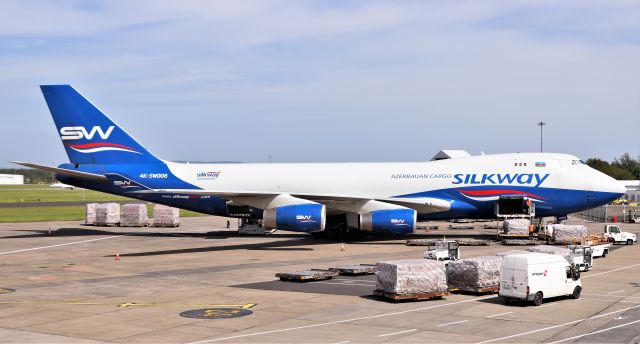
(77, 133)
(399, 222)
(304, 218)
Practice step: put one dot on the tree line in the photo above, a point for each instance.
(624, 167)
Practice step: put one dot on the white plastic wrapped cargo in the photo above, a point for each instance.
(516, 226)
(417, 276)
(164, 216)
(474, 273)
(569, 233)
(134, 215)
(90, 218)
(508, 253)
(562, 251)
(107, 214)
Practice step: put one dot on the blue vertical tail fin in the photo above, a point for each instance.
(88, 135)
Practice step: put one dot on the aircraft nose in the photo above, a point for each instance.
(613, 189)
(606, 189)
(618, 188)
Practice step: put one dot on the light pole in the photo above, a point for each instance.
(541, 124)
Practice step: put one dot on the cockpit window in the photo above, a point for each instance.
(577, 162)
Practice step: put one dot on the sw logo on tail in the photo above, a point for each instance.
(77, 133)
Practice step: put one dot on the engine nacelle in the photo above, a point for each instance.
(390, 221)
(308, 217)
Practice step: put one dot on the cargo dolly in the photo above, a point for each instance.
(355, 270)
(476, 290)
(307, 275)
(409, 297)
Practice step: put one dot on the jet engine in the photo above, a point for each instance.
(389, 221)
(307, 217)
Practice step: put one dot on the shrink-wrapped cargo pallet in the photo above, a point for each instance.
(474, 274)
(107, 214)
(164, 216)
(134, 215)
(516, 226)
(508, 253)
(563, 251)
(419, 276)
(569, 233)
(90, 218)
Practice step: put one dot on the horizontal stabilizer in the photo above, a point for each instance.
(64, 171)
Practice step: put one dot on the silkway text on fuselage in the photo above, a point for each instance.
(534, 179)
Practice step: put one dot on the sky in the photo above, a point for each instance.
(323, 81)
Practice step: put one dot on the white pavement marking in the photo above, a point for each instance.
(455, 322)
(497, 315)
(343, 321)
(399, 332)
(353, 280)
(622, 297)
(615, 292)
(58, 245)
(595, 332)
(555, 326)
(545, 305)
(345, 342)
(609, 300)
(606, 272)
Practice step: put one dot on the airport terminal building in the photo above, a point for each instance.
(11, 179)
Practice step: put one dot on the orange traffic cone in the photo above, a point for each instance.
(117, 255)
(342, 247)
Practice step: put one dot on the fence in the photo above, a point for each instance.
(606, 213)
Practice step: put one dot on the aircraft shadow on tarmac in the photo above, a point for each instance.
(71, 232)
(295, 240)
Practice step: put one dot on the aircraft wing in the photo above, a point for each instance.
(422, 205)
(64, 171)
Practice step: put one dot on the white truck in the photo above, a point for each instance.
(537, 276)
(615, 235)
(600, 251)
(443, 250)
(599, 245)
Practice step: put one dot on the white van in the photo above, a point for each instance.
(535, 276)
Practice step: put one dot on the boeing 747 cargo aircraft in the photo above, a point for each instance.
(387, 198)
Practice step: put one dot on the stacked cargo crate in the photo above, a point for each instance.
(164, 216)
(134, 215)
(107, 214)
